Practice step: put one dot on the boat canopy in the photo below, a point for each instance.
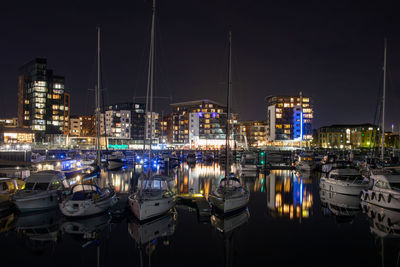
(85, 187)
(386, 175)
(233, 182)
(44, 177)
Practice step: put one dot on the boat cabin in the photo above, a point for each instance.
(46, 180)
(385, 180)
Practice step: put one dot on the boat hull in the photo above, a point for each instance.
(71, 208)
(341, 187)
(37, 202)
(227, 205)
(381, 199)
(147, 209)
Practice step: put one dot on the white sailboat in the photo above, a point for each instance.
(230, 195)
(153, 197)
(85, 199)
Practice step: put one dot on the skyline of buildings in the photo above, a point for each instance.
(44, 108)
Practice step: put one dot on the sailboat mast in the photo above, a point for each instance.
(98, 100)
(383, 102)
(228, 104)
(152, 55)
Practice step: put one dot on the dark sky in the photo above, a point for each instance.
(331, 50)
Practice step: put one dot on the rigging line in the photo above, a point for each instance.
(142, 71)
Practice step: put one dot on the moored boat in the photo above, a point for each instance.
(87, 200)
(344, 179)
(41, 191)
(384, 189)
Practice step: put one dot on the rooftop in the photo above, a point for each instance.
(196, 102)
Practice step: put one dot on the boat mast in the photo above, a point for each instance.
(228, 104)
(150, 85)
(98, 100)
(383, 102)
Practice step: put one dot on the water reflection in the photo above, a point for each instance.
(385, 226)
(228, 228)
(289, 194)
(343, 207)
(279, 201)
(149, 235)
(39, 231)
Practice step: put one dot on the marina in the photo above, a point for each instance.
(286, 221)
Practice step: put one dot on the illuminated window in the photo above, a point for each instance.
(306, 99)
(279, 126)
(278, 116)
(56, 96)
(26, 101)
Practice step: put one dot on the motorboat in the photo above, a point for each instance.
(116, 160)
(305, 162)
(87, 200)
(8, 187)
(41, 191)
(229, 196)
(153, 197)
(344, 179)
(248, 162)
(37, 157)
(383, 189)
(71, 168)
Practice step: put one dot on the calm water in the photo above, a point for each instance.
(286, 224)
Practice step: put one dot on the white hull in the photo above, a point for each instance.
(87, 207)
(114, 164)
(248, 168)
(341, 187)
(150, 208)
(229, 204)
(381, 199)
(35, 201)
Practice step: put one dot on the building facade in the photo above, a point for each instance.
(82, 125)
(255, 133)
(9, 122)
(43, 103)
(200, 123)
(123, 121)
(349, 136)
(289, 118)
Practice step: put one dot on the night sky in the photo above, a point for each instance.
(331, 50)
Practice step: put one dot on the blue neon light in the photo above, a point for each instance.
(301, 191)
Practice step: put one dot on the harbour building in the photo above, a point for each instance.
(43, 103)
(349, 136)
(255, 133)
(289, 119)
(200, 124)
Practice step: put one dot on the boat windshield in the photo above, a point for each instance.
(395, 186)
(154, 184)
(351, 178)
(29, 186)
(249, 161)
(41, 186)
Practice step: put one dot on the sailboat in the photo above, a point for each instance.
(153, 196)
(230, 195)
(87, 200)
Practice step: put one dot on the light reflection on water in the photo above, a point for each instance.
(285, 209)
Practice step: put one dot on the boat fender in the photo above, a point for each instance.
(373, 196)
(389, 198)
(380, 217)
(381, 197)
(366, 197)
